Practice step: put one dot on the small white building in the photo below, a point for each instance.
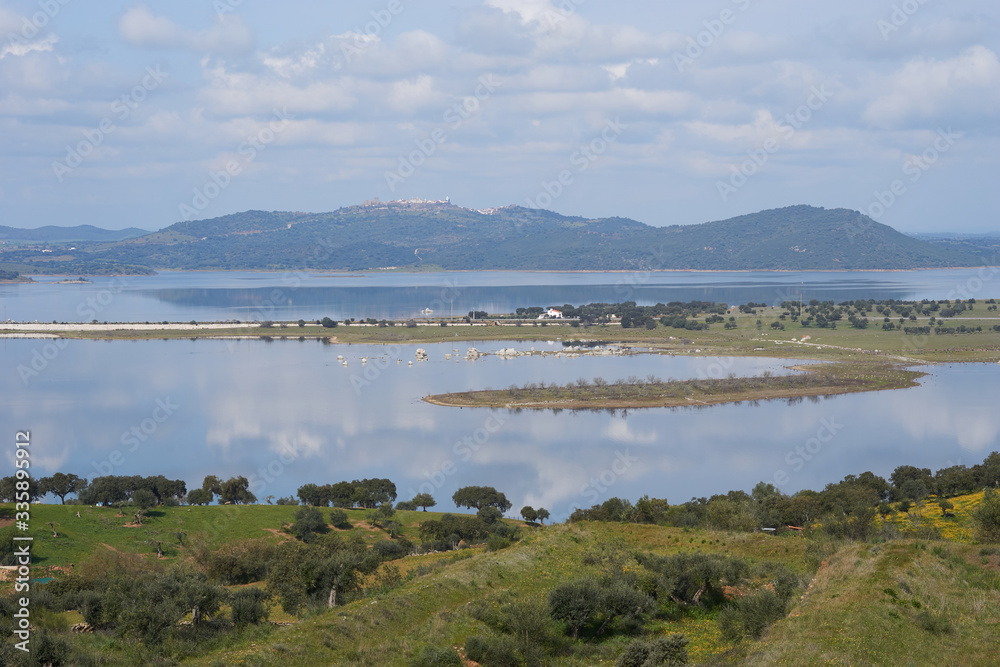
(551, 314)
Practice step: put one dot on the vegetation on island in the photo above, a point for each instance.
(634, 392)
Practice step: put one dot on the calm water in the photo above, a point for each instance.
(287, 412)
(180, 296)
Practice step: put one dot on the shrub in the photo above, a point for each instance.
(389, 550)
(436, 656)
(248, 607)
(987, 518)
(574, 603)
(497, 542)
(235, 563)
(749, 616)
(668, 651)
(936, 624)
(308, 522)
(492, 651)
(339, 519)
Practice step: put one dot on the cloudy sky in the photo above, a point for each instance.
(668, 112)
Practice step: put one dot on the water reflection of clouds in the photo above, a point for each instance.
(241, 410)
(949, 406)
(619, 430)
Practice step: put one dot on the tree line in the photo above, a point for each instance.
(847, 508)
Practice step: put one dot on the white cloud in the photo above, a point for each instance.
(22, 47)
(925, 88)
(239, 93)
(140, 27)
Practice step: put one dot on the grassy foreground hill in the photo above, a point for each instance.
(903, 601)
(439, 235)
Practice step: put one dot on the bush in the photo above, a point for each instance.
(750, 616)
(987, 518)
(308, 523)
(574, 603)
(339, 519)
(492, 651)
(497, 542)
(49, 649)
(248, 607)
(936, 624)
(236, 563)
(389, 550)
(668, 651)
(287, 500)
(437, 656)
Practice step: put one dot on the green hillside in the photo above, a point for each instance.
(438, 235)
(902, 601)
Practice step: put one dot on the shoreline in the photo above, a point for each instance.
(347, 273)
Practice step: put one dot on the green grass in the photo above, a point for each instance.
(900, 603)
(213, 526)
(434, 608)
(844, 342)
(916, 601)
(946, 603)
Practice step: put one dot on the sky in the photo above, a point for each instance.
(668, 112)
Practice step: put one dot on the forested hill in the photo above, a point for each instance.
(441, 235)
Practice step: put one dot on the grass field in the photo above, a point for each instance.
(906, 601)
(746, 339)
(211, 526)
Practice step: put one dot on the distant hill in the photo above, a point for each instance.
(428, 235)
(53, 234)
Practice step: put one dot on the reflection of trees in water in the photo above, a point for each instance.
(393, 302)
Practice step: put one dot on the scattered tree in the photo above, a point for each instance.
(478, 497)
(61, 485)
(424, 500)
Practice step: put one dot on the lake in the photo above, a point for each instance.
(285, 413)
(245, 296)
